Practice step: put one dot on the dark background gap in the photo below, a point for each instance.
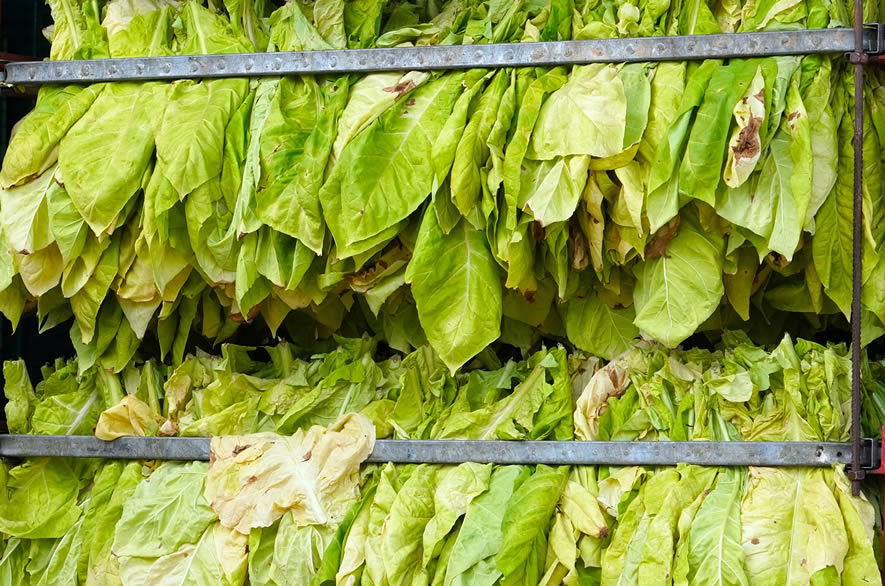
(21, 32)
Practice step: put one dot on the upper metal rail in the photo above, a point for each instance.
(677, 48)
(651, 453)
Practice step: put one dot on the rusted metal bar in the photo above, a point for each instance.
(856, 473)
(16, 58)
(873, 60)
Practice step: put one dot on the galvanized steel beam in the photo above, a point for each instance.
(636, 453)
(676, 48)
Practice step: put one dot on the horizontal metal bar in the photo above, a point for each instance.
(87, 446)
(615, 453)
(649, 453)
(677, 48)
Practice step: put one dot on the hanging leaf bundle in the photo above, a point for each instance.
(593, 204)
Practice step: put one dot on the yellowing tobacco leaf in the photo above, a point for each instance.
(254, 479)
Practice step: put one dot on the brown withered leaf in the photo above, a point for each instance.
(578, 247)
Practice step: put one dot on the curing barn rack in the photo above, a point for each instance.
(862, 44)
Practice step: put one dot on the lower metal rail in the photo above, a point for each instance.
(651, 453)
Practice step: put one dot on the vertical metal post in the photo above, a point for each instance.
(856, 473)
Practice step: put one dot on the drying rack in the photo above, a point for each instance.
(862, 45)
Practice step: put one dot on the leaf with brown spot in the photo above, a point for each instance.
(658, 245)
(284, 477)
(401, 89)
(748, 140)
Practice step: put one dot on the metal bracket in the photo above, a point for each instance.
(877, 454)
(873, 50)
(872, 456)
(873, 38)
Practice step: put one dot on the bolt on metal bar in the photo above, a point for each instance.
(857, 473)
(663, 453)
(676, 48)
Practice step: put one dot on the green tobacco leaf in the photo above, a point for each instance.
(104, 156)
(56, 558)
(675, 293)
(472, 559)
(525, 525)
(860, 562)
(553, 188)
(446, 143)
(190, 137)
(73, 413)
(33, 148)
(529, 108)
(511, 417)
(13, 561)
(410, 512)
(473, 150)
(825, 148)
(597, 328)
(39, 500)
(218, 556)
(715, 554)
(368, 98)
(298, 551)
(291, 204)
(20, 396)
(667, 88)
(586, 116)
(656, 563)
(701, 167)
(454, 493)
(102, 567)
(368, 190)
(788, 542)
(457, 288)
(142, 29)
(76, 33)
(165, 512)
(663, 180)
(832, 243)
(695, 18)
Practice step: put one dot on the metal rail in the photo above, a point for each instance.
(676, 48)
(857, 57)
(638, 453)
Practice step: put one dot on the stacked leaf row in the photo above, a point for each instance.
(299, 509)
(592, 203)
